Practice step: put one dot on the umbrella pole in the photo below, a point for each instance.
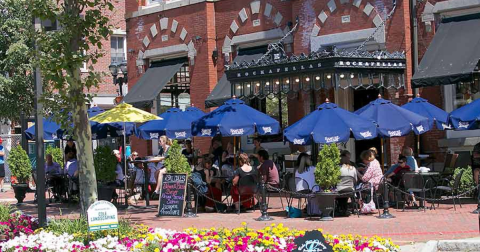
(125, 161)
(386, 214)
(234, 153)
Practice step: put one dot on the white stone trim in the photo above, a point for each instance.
(119, 32)
(146, 41)
(163, 6)
(175, 51)
(234, 27)
(278, 18)
(357, 3)
(255, 7)
(315, 30)
(454, 5)
(332, 6)
(268, 10)
(174, 26)
(227, 45)
(348, 39)
(322, 16)
(243, 15)
(163, 23)
(368, 9)
(183, 34)
(256, 37)
(153, 30)
(377, 20)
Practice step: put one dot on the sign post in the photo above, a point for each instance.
(102, 215)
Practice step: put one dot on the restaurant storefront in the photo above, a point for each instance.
(287, 84)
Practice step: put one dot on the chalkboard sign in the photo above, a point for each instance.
(172, 195)
(312, 241)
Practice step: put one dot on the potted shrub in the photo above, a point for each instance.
(176, 162)
(327, 175)
(21, 169)
(105, 164)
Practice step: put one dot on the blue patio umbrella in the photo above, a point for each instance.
(176, 124)
(465, 117)
(422, 107)
(51, 130)
(235, 118)
(393, 120)
(330, 124)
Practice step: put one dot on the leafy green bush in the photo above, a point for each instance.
(176, 162)
(79, 227)
(56, 153)
(105, 164)
(5, 211)
(466, 182)
(19, 164)
(327, 173)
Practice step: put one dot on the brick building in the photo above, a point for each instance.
(192, 41)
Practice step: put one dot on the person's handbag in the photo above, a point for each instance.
(370, 206)
(293, 212)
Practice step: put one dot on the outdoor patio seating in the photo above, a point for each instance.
(450, 190)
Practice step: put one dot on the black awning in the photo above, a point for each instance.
(223, 90)
(153, 81)
(453, 54)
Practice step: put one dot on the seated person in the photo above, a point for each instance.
(244, 170)
(207, 173)
(411, 161)
(71, 168)
(401, 167)
(348, 179)
(165, 144)
(306, 171)
(188, 152)
(268, 170)
(52, 170)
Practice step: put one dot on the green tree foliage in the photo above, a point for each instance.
(56, 153)
(327, 174)
(176, 162)
(105, 163)
(84, 25)
(16, 43)
(19, 164)
(466, 182)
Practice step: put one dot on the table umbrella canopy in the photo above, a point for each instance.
(464, 118)
(176, 124)
(330, 124)
(51, 130)
(124, 113)
(235, 118)
(422, 107)
(393, 120)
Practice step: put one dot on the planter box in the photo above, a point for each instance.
(324, 202)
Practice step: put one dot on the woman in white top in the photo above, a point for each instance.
(306, 171)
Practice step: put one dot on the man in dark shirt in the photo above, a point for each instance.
(267, 169)
(401, 167)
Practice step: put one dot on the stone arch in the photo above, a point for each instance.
(164, 24)
(368, 10)
(268, 11)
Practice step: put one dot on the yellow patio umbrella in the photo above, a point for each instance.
(124, 113)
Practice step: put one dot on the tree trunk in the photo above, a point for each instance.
(81, 129)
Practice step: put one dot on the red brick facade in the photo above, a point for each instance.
(211, 20)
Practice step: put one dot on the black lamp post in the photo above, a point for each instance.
(115, 69)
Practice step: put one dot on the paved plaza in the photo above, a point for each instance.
(408, 227)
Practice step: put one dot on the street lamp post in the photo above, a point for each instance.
(115, 69)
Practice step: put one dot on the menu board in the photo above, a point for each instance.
(172, 195)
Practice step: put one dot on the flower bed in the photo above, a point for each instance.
(17, 224)
(273, 238)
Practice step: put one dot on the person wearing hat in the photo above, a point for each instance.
(2, 166)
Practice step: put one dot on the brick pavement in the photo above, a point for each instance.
(409, 226)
